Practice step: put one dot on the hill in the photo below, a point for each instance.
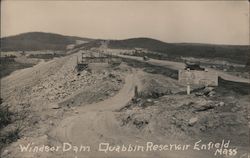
(49, 41)
(235, 53)
(38, 41)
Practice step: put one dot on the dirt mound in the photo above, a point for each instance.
(45, 91)
(187, 117)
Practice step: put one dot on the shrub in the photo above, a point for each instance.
(5, 115)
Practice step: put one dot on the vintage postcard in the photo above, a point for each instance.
(125, 79)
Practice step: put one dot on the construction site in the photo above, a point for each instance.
(124, 79)
(100, 96)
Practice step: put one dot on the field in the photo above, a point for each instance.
(9, 65)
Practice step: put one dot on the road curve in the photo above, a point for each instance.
(96, 122)
(178, 65)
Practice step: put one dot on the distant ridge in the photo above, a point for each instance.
(38, 41)
(50, 41)
(236, 53)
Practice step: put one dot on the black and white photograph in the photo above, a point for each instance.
(125, 79)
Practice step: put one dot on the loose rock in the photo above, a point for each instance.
(192, 121)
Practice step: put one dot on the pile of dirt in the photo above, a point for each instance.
(187, 118)
(107, 84)
(154, 87)
(60, 86)
(44, 91)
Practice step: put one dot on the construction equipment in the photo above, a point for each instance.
(193, 66)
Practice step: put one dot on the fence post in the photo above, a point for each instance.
(136, 91)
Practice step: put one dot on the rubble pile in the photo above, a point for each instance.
(204, 114)
(181, 117)
(67, 81)
(206, 91)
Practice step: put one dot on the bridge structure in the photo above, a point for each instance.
(95, 57)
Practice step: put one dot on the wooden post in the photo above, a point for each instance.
(82, 57)
(188, 89)
(188, 81)
(136, 91)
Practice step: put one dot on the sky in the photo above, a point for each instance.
(215, 22)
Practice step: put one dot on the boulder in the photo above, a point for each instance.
(192, 121)
(5, 153)
(221, 103)
(212, 93)
(149, 100)
(55, 106)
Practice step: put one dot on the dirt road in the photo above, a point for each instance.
(179, 65)
(96, 122)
